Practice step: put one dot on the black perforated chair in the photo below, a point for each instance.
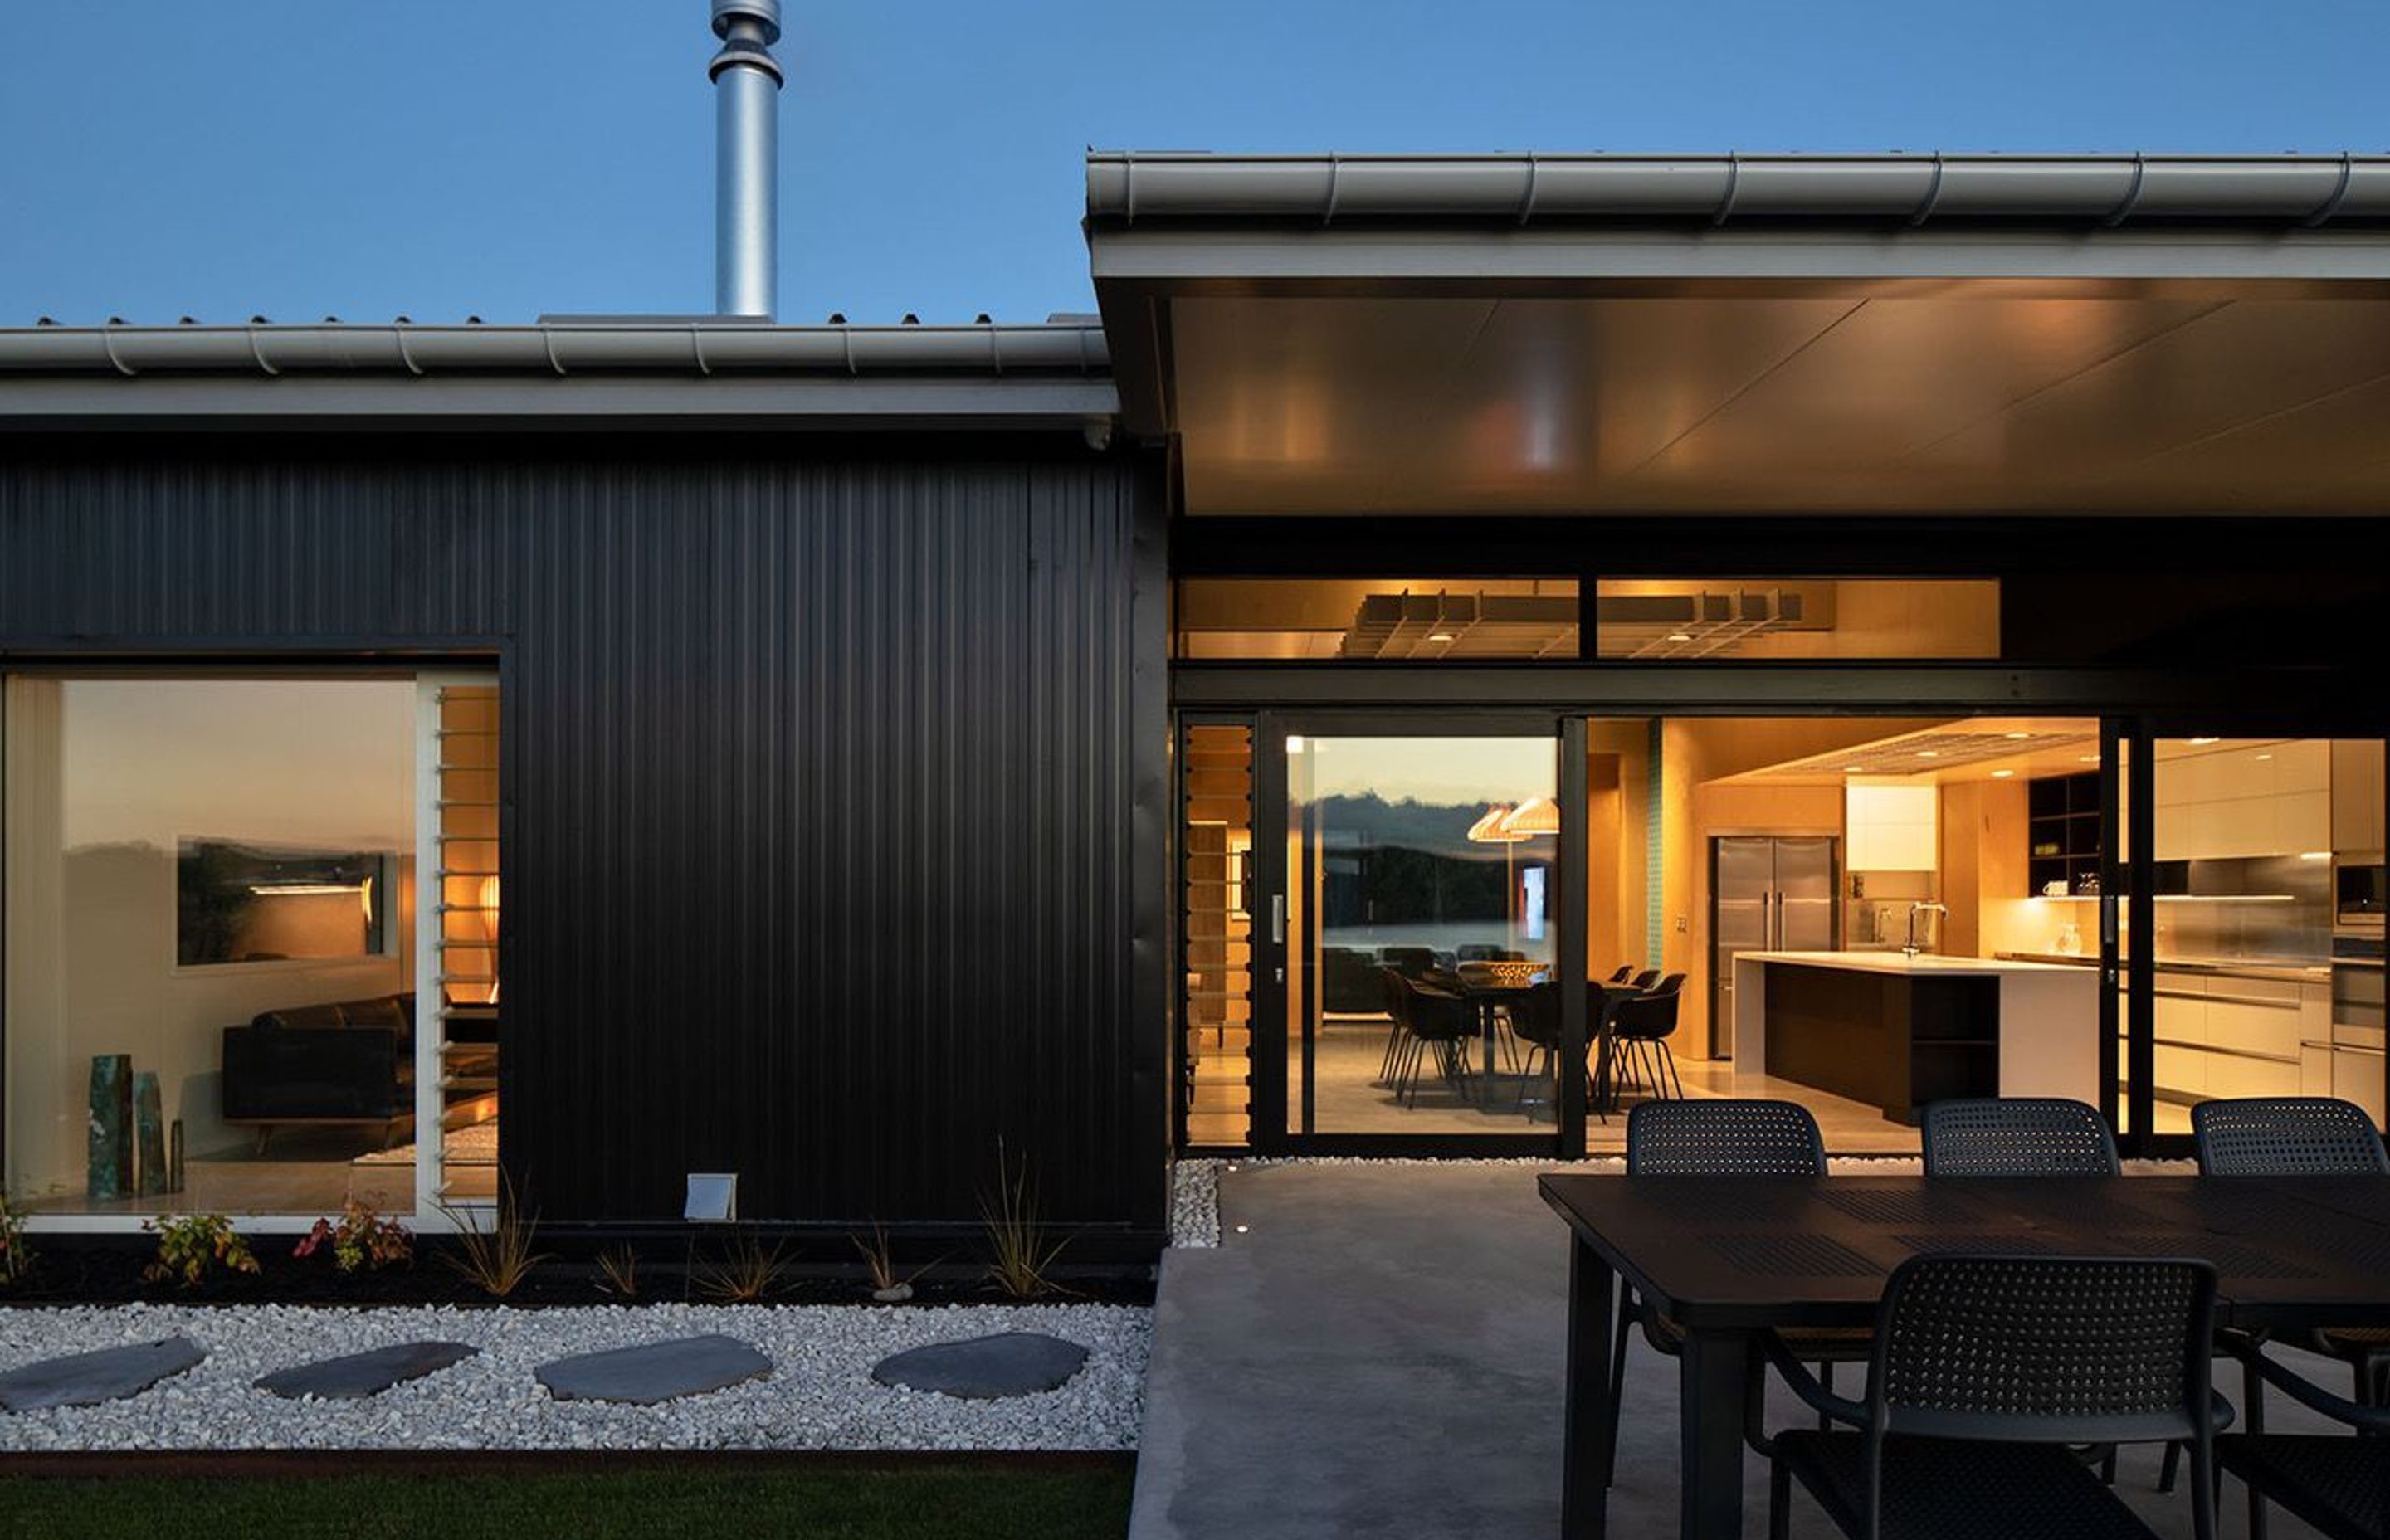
(2339, 1486)
(1645, 979)
(2017, 1136)
(2296, 1136)
(1719, 1137)
(2287, 1137)
(1984, 1369)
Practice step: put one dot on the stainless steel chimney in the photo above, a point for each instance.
(746, 158)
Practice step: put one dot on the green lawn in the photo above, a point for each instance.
(966, 1502)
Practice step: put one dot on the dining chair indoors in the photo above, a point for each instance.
(1640, 1026)
(1986, 1369)
(2017, 1136)
(1722, 1136)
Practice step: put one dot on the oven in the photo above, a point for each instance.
(2357, 893)
(2358, 1035)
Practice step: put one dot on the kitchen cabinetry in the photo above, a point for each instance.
(2225, 1034)
(2231, 801)
(2356, 795)
(2062, 834)
(1892, 829)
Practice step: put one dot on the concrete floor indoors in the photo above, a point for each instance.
(1379, 1353)
(1349, 1098)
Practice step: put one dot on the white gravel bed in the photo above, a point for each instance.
(820, 1396)
(1195, 1185)
(1195, 1203)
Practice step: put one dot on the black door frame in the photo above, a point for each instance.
(1275, 1128)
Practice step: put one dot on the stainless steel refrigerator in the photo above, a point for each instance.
(1768, 894)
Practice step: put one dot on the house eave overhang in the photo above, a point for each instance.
(1385, 288)
(556, 376)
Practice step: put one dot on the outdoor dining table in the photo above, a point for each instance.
(1729, 1257)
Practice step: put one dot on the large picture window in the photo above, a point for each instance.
(210, 967)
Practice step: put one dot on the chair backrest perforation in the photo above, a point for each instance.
(1724, 1137)
(2012, 1346)
(2286, 1136)
(2017, 1136)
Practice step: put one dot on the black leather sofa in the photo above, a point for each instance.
(352, 1061)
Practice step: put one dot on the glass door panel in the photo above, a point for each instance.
(1420, 927)
(2240, 971)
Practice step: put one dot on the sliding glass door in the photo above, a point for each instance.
(1410, 932)
(2241, 920)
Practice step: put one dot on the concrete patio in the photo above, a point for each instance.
(1380, 1353)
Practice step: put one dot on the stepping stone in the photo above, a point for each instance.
(657, 1372)
(355, 1376)
(984, 1368)
(88, 1379)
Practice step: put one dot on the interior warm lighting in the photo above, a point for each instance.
(2018, 737)
(1680, 636)
(1534, 816)
(1294, 744)
(1929, 753)
(1440, 636)
(306, 890)
(1852, 769)
(2314, 856)
(2002, 774)
(2087, 759)
(2202, 742)
(1489, 829)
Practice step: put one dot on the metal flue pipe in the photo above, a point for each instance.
(746, 158)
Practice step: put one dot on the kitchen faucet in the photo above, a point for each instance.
(1913, 947)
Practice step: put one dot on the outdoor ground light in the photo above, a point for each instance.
(712, 1198)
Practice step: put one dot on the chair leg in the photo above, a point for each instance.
(2108, 1466)
(1826, 1377)
(1779, 1500)
(2253, 1395)
(1669, 1058)
(2170, 1467)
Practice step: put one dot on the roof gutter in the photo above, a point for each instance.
(1128, 187)
(562, 351)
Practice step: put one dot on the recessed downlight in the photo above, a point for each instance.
(2015, 738)
(2002, 774)
(2086, 759)
(1929, 753)
(1852, 769)
(1680, 636)
(1439, 636)
(2203, 742)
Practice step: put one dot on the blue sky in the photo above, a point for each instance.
(503, 158)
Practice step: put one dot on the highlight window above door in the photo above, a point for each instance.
(1376, 620)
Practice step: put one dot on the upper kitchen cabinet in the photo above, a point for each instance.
(2356, 795)
(1892, 828)
(2226, 799)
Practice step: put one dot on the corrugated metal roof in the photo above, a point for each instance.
(1131, 186)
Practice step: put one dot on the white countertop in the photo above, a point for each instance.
(1924, 964)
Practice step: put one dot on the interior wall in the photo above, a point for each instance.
(106, 778)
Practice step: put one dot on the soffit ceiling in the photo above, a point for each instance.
(1957, 396)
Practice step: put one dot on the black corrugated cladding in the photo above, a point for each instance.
(836, 780)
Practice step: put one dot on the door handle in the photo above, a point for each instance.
(1278, 919)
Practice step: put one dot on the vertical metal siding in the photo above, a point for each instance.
(828, 785)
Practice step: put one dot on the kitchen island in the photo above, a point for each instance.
(1897, 1031)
